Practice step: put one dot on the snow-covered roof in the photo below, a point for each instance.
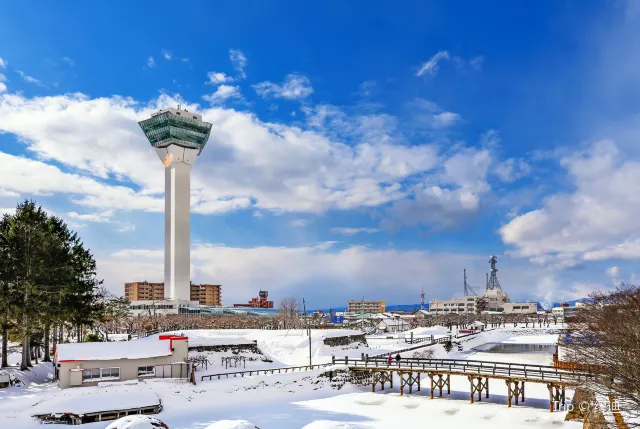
(135, 349)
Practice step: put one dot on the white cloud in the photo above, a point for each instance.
(222, 205)
(428, 116)
(431, 66)
(334, 162)
(29, 79)
(23, 176)
(445, 119)
(354, 231)
(3, 64)
(476, 62)
(167, 54)
(125, 227)
(69, 61)
(100, 217)
(299, 270)
(216, 78)
(598, 219)
(614, 273)
(326, 275)
(151, 63)
(295, 86)
(448, 199)
(512, 169)
(7, 210)
(239, 61)
(299, 222)
(548, 289)
(3, 87)
(224, 92)
(185, 60)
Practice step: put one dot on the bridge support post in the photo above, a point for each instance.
(515, 390)
(478, 387)
(381, 377)
(409, 380)
(440, 383)
(556, 396)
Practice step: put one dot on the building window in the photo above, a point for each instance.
(98, 374)
(145, 371)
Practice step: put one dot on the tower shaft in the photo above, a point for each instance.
(177, 231)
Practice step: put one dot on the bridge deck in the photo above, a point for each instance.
(498, 370)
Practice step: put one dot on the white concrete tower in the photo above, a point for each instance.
(178, 137)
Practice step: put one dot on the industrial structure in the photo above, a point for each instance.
(142, 292)
(178, 137)
(259, 302)
(364, 307)
(493, 300)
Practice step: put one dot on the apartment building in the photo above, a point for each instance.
(144, 291)
(366, 307)
(205, 294)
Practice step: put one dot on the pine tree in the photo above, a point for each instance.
(47, 279)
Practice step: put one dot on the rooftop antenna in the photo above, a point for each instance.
(493, 282)
(486, 284)
(467, 289)
(422, 299)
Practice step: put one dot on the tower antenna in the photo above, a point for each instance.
(493, 282)
(467, 289)
(422, 299)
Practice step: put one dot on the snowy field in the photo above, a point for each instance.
(297, 400)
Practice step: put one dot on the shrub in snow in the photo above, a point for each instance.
(138, 422)
(424, 354)
(232, 424)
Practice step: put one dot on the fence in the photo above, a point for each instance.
(265, 371)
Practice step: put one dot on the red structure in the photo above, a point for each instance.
(259, 302)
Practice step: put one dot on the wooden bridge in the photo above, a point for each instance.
(439, 372)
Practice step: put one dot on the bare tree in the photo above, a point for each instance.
(606, 339)
(289, 310)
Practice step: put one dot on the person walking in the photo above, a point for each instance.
(389, 359)
(398, 358)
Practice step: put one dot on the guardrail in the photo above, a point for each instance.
(472, 367)
(265, 371)
(436, 341)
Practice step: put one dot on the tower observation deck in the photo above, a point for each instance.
(178, 137)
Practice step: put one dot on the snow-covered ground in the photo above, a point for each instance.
(297, 400)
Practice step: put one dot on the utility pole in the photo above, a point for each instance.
(304, 306)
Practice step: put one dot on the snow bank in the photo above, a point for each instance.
(137, 422)
(432, 330)
(84, 400)
(547, 339)
(327, 424)
(232, 424)
(289, 347)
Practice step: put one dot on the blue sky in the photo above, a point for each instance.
(358, 149)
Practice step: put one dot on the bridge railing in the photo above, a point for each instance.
(249, 373)
(472, 367)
